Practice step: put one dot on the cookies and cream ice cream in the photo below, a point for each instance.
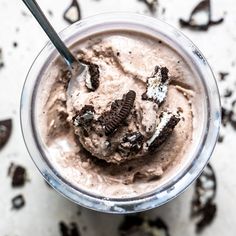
(129, 124)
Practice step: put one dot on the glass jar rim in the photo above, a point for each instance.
(125, 205)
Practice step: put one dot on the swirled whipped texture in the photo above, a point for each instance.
(131, 125)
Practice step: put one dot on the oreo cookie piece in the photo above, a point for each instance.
(205, 7)
(203, 206)
(72, 13)
(84, 117)
(120, 110)
(168, 121)
(223, 75)
(136, 225)
(18, 174)
(18, 202)
(70, 230)
(92, 81)
(5, 132)
(151, 4)
(157, 85)
(131, 144)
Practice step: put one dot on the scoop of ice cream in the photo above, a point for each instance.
(116, 121)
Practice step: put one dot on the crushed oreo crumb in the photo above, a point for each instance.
(220, 139)
(203, 206)
(168, 121)
(72, 13)
(203, 6)
(1, 59)
(228, 93)
(71, 230)
(137, 225)
(5, 132)
(120, 110)
(84, 117)
(157, 85)
(151, 4)
(18, 175)
(18, 202)
(15, 44)
(131, 143)
(229, 116)
(223, 75)
(50, 13)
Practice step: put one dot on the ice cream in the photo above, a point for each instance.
(131, 122)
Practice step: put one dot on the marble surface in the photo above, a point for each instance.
(44, 207)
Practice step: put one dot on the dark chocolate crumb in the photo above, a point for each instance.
(18, 175)
(118, 54)
(50, 13)
(220, 139)
(70, 230)
(203, 6)
(1, 59)
(163, 11)
(228, 93)
(15, 44)
(225, 116)
(131, 144)
(67, 14)
(130, 221)
(18, 202)
(223, 75)
(120, 110)
(5, 132)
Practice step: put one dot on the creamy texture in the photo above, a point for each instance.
(125, 62)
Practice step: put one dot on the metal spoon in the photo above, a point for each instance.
(79, 71)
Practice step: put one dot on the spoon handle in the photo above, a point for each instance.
(47, 27)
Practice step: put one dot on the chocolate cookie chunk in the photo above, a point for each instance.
(136, 225)
(203, 6)
(71, 230)
(72, 13)
(157, 85)
(18, 174)
(92, 81)
(120, 110)
(168, 121)
(151, 4)
(131, 144)
(203, 205)
(5, 132)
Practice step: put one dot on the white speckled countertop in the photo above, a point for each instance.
(44, 207)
